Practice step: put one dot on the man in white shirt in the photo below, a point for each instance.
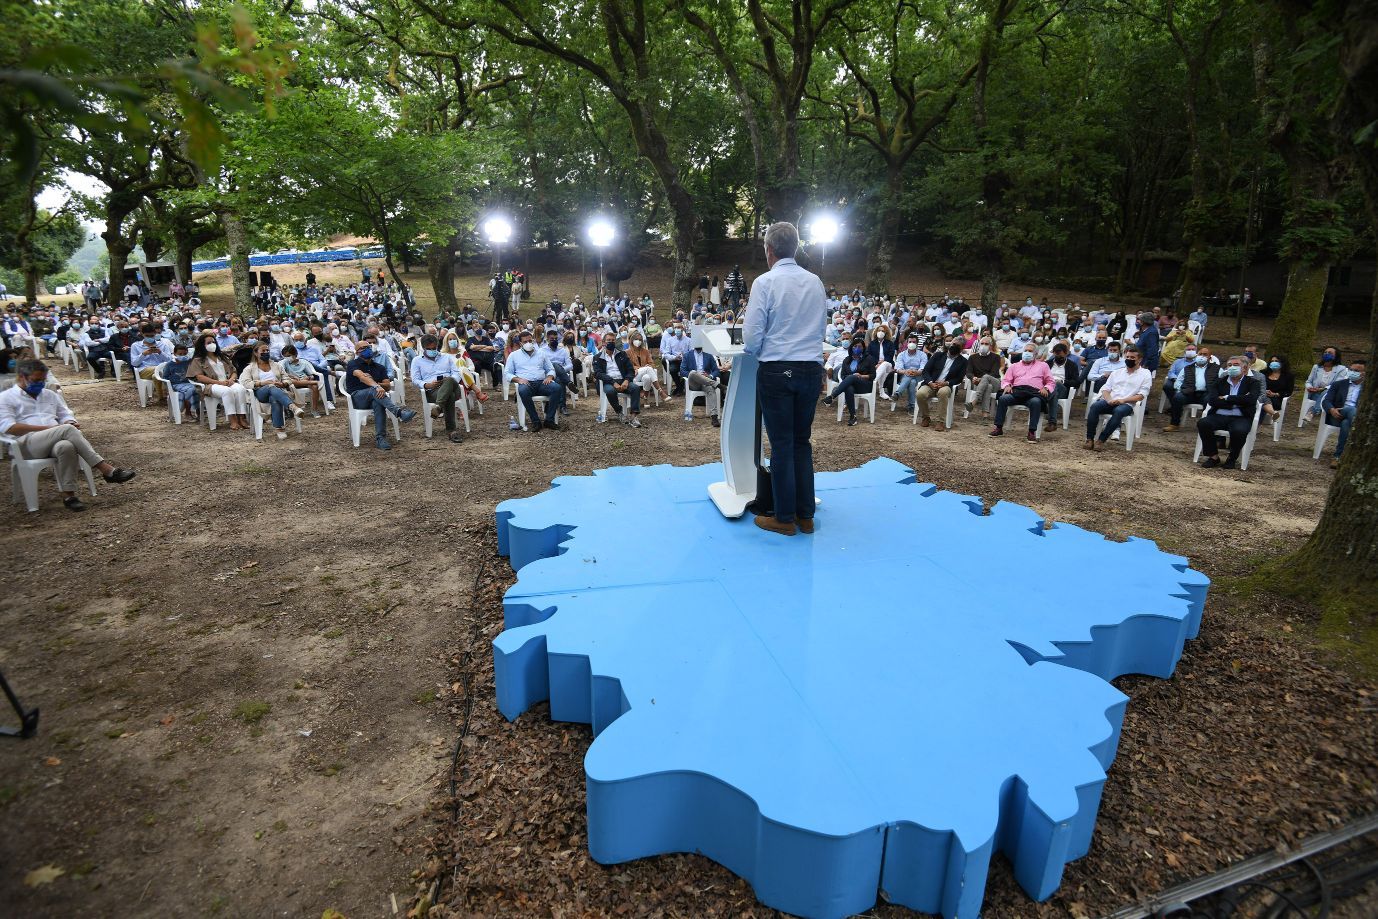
(45, 428)
(785, 322)
(1124, 387)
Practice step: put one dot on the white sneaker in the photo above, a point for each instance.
(282, 435)
(330, 406)
(297, 411)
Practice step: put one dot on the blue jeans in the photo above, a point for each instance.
(365, 399)
(554, 394)
(1033, 403)
(633, 390)
(278, 400)
(1345, 423)
(1117, 414)
(788, 395)
(851, 384)
(191, 399)
(908, 386)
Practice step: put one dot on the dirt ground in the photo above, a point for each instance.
(252, 664)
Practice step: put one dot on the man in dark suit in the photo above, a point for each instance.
(700, 372)
(941, 377)
(1193, 385)
(1340, 404)
(1233, 400)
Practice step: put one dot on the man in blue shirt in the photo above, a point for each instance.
(909, 370)
(1200, 315)
(534, 374)
(438, 377)
(785, 323)
(367, 385)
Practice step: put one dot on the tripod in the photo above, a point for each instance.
(28, 720)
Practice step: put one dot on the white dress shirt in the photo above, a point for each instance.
(1123, 383)
(18, 407)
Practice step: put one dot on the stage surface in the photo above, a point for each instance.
(873, 710)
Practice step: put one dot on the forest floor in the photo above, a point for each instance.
(252, 663)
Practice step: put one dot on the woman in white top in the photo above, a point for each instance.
(266, 379)
(217, 375)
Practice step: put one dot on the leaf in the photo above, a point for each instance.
(45, 875)
(52, 761)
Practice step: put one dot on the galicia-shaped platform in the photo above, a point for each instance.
(873, 709)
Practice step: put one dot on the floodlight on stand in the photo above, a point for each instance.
(498, 230)
(823, 231)
(601, 233)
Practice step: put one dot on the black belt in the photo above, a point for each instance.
(792, 365)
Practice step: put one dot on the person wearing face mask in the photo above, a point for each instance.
(436, 373)
(1318, 381)
(175, 372)
(1174, 371)
(209, 368)
(1341, 402)
(672, 349)
(1177, 342)
(1104, 366)
(1193, 385)
(985, 366)
(700, 372)
(909, 371)
(368, 388)
(858, 370)
(643, 365)
(564, 365)
(1256, 362)
(1232, 399)
(1149, 342)
(300, 376)
(534, 375)
(942, 375)
(95, 341)
(1066, 377)
(1123, 388)
(265, 379)
(882, 352)
(146, 354)
(613, 370)
(1027, 382)
(1278, 383)
(225, 340)
(45, 428)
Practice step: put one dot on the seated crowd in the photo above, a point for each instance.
(311, 345)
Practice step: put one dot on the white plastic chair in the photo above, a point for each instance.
(1132, 426)
(461, 405)
(24, 474)
(866, 399)
(1323, 432)
(144, 387)
(1248, 450)
(210, 405)
(1194, 328)
(1281, 417)
(303, 396)
(1042, 419)
(114, 362)
(174, 399)
(951, 407)
(538, 401)
(257, 410)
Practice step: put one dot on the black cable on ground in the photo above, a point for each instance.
(457, 766)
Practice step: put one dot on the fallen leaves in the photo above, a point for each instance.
(45, 875)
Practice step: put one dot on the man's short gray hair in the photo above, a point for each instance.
(28, 368)
(782, 239)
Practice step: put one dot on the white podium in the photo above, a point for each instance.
(741, 425)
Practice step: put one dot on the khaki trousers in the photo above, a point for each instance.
(63, 443)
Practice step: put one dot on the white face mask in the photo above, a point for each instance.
(529, 346)
(913, 346)
(983, 349)
(211, 348)
(880, 336)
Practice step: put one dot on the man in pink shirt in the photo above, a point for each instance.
(1028, 382)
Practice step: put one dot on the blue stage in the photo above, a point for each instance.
(872, 710)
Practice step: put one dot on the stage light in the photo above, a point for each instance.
(601, 233)
(824, 230)
(498, 230)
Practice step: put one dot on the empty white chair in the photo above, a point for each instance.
(24, 474)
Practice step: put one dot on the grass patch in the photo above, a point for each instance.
(333, 632)
(253, 468)
(252, 712)
(7, 794)
(426, 697)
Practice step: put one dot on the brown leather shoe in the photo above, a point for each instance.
(805, 524)
(774, 526)
(925, 423)
(1169, 428)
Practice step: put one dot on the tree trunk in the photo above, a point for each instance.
(182, 260)
(238, 241)
(1294, 333)
(881, 256)
(440, 265)
(990, 286)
